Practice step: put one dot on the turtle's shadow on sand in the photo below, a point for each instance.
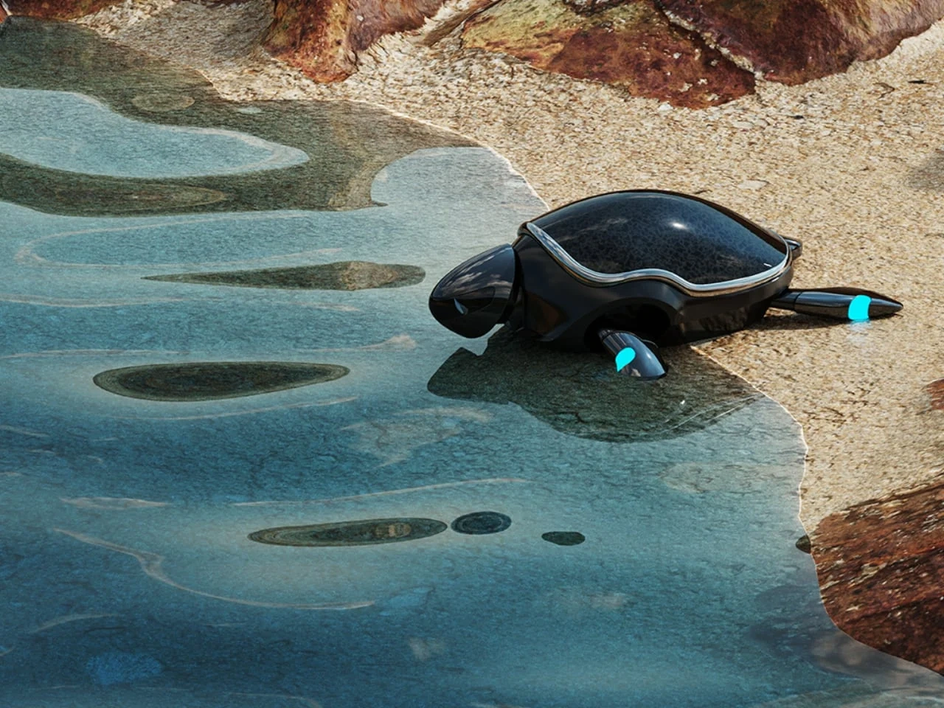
(795, 321)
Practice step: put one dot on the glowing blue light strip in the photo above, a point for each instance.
(625, 357)
(859, 308)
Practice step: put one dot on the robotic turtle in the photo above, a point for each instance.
(630, 271)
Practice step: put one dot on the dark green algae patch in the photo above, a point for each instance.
(347, 143)
(343, 275)
(350, 533)
(207, 381)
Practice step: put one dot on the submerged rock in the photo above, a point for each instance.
(206, 381)
(69, 193)
(350, 533)
(803, 544)
(564, 538)
(630, 45)
(480, 523)
(583, 395)
(881, 570)
(345, 275)
(793, 41)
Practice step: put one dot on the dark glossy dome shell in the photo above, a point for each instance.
(700, 242)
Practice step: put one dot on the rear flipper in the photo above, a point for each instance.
(840, 303)
(634, 357)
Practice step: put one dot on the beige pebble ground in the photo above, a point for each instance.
(852, 164)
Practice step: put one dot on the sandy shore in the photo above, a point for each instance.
(851, 164)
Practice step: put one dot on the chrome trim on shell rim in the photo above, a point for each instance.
(602, 280)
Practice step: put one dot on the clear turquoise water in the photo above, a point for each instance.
(128, 578)
(49, 128)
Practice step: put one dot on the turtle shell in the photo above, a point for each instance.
(622, 235)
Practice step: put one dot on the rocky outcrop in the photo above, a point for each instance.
(322, 37)
(631, 44)
(793, 41)
(692, 53)
(881, 570)
(56, 9)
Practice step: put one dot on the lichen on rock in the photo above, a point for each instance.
(630, 45)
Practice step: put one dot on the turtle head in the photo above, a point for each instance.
(478, 294)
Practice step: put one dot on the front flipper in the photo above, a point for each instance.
(841, 303)
(634, 357)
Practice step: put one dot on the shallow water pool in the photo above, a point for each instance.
(224, 491)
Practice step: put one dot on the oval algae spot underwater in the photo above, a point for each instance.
(345, 275)
(350, 533)
(206, 381)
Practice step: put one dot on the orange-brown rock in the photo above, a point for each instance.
(792, 41)
(936, 389)
(3, 14)
(631, 45)
(881, 570)
(322, 37)
(56, 9)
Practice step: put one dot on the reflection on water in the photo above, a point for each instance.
(583, 396)
(556, 536)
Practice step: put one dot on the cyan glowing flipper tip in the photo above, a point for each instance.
(859, 308)
(625, 357)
